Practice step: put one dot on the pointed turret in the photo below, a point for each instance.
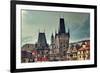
(52, 39)
(68, 32)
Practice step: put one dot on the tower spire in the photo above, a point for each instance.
(62, 26)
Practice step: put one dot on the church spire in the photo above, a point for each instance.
(62, 26)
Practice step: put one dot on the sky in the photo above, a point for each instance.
(33, 22)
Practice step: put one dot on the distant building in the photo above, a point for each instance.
(74, 53)
(26, 53)
(26, 56)
(80, 50)
(84, 52)
(28, 47)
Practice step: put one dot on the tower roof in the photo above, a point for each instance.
(62, 26)
(42, 39)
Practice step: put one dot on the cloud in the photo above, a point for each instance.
(33, 21)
